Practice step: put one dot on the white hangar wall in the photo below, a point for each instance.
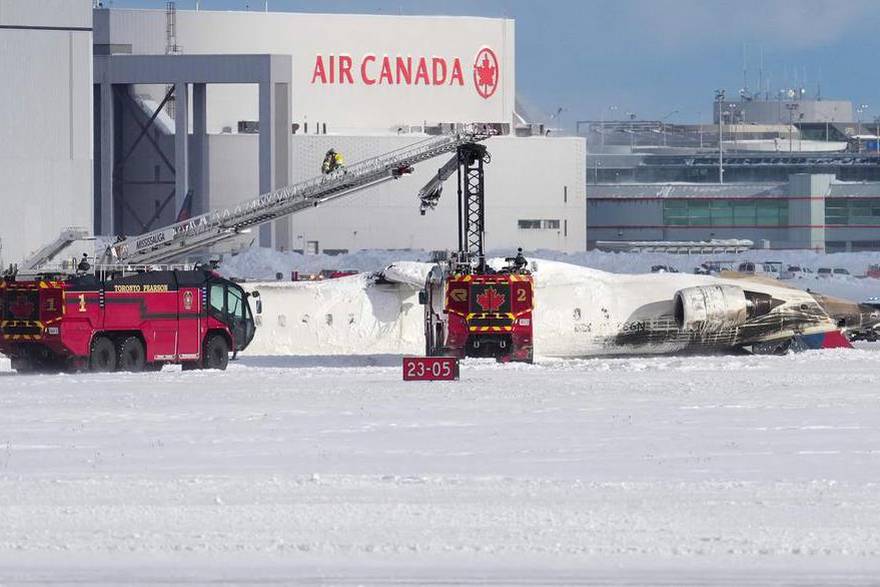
(46, 122)
(338, 62)
(537, 178)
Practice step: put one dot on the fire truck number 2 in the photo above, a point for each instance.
(430, 368)
(521, 295)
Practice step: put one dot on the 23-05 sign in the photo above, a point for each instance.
(430, 368)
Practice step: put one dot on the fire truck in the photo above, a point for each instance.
(124, 319)
(129, 309)
(471, 309)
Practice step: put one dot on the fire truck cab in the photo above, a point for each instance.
(124, 321)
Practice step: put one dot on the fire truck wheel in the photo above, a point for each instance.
(216, 353)
(132, 355)
(103, 355)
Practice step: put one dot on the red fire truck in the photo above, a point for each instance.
(124, 321)
(483, 315)
(472, 310)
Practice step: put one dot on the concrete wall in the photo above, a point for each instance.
(365, 40)
(806, 211)
(46, 122)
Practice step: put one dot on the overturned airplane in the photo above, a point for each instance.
(579, 312)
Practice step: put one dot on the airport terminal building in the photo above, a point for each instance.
(262, 97)
(792, 174)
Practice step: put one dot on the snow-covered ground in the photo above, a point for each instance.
(734, 470)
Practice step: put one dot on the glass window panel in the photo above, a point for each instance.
(767, 213)
(675, 212)
(218, 292)
(744, 213)
(836, 211)
(700, 216)
(722, 213)
(234, 303)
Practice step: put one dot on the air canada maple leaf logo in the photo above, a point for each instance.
(486, 73)
(22, 308)
(490, 300)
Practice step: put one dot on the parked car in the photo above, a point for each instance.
(663, 269)
(777, 269)
(840, 272)
(824, 272)
(764, 269)
(714, 267)
(873, 271)
(798, 272)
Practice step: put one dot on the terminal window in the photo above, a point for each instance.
(538, 224)
(852, 211)
(740, 212)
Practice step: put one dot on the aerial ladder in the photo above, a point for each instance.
(204, 231)
(472, 309)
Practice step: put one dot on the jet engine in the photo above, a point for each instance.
(713, 308)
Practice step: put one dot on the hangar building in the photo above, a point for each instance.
(362, 84)
(46, 122)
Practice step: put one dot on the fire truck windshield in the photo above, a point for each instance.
(229, 303)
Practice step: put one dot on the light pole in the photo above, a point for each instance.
(859, 109)
(731, 117)
(791, 107)
(719, 99)
(632, 133)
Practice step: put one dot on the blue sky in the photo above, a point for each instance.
(654, 57)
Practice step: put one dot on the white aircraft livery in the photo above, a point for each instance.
(579, 312)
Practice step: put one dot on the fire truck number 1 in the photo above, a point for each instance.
(82, 302)
(50, 305)
(430, 368)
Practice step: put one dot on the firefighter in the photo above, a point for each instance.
(332, 162)
(519, 262)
